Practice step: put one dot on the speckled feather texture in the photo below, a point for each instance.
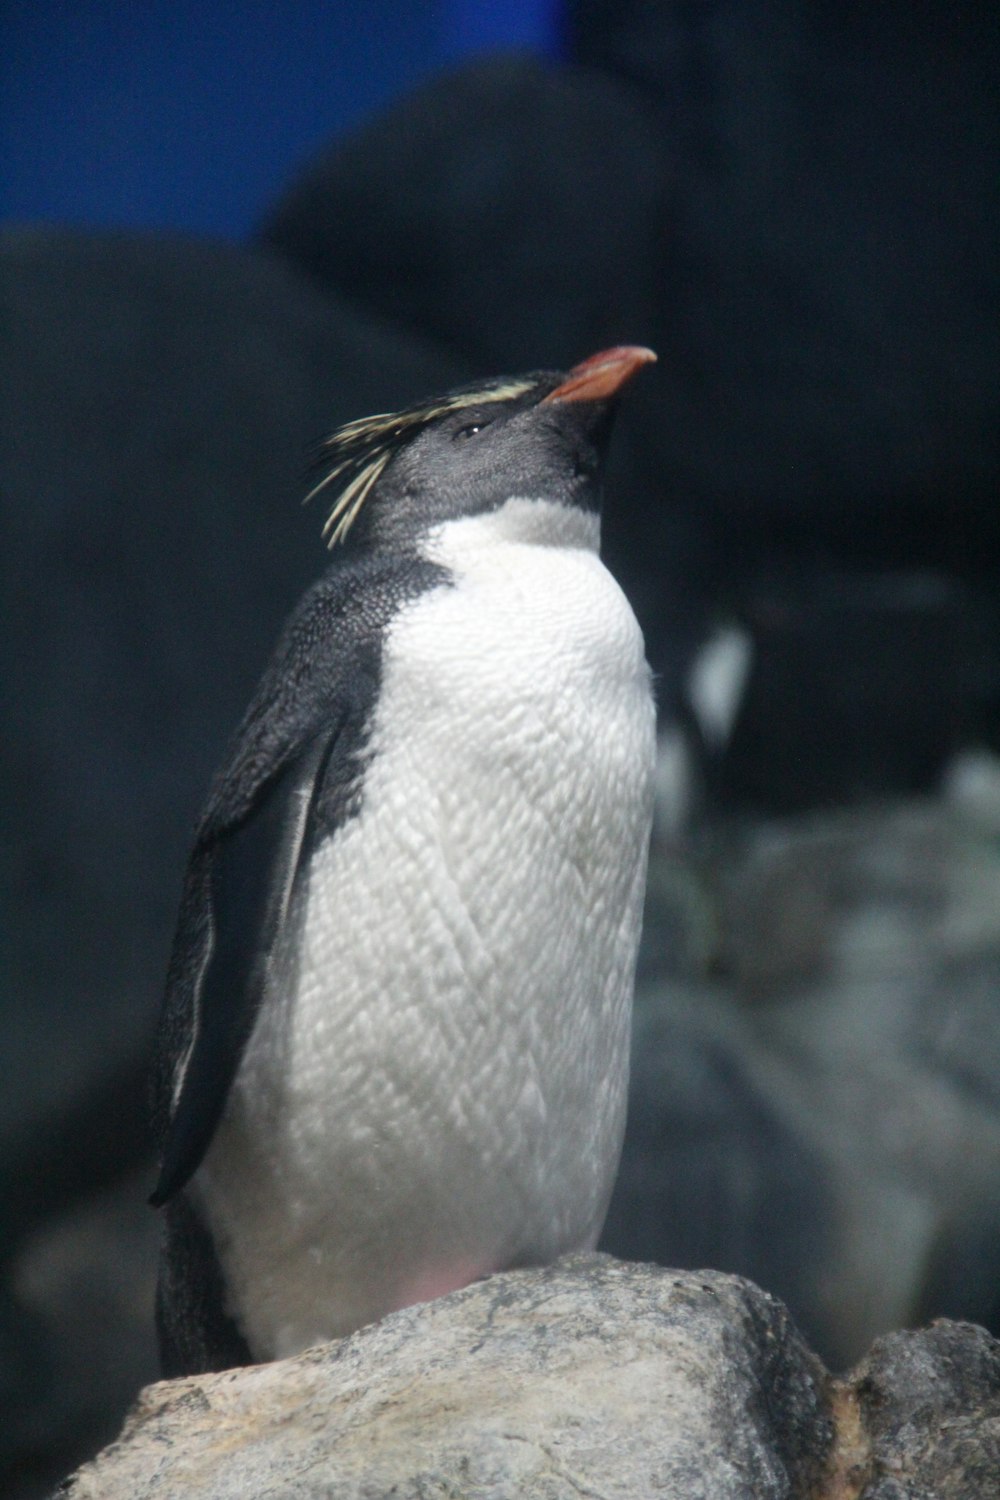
(440, 1093)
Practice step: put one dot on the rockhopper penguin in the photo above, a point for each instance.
(393, 1054)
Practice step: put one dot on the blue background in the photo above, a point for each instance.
(195, 116)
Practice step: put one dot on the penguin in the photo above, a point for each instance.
(393, 1050)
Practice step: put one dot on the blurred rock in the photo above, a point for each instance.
(76, 1335)
(972, 787)
(815, 1099)
(713, 1171)
(588, 1377)
(862, 683)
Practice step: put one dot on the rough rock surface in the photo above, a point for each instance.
(590, 1377)
(928, 1408)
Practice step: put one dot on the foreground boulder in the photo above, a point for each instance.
(590, 1377)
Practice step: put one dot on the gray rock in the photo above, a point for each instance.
(588, 1378)
(929, 1404)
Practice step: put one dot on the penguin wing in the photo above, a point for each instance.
(236, 899)
(292, 765)
(293, 772)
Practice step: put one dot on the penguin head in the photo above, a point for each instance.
(542, 436)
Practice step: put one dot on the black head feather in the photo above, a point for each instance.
(355, 456)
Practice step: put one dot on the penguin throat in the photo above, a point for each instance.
(521, 520)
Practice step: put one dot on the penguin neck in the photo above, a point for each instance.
(520, 521)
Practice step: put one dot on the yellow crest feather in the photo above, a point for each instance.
(360, 450)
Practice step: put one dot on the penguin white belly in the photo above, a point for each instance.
(435, 1088)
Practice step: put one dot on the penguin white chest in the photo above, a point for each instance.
(435, 1088)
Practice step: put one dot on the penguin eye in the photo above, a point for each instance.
(470, 430)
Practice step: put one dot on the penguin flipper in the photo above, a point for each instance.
(297, 745)
(236, 899)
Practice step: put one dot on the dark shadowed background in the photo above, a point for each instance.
(228, 229)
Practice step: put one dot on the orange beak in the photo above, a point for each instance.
(602, 375)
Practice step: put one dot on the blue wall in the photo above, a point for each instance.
(194, 115)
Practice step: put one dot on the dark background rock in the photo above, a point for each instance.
(76, 1333)
(827, 286)
(876, 679)
(516, 189)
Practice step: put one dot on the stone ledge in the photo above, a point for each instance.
(591, 1377)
